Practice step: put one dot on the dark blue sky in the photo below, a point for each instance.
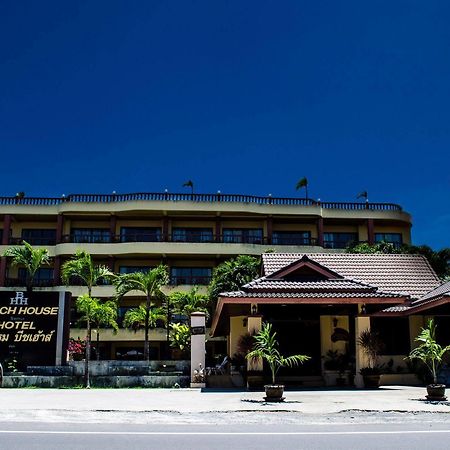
(240, 96)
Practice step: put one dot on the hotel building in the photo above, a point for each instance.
(191, 233)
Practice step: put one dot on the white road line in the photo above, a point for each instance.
(226, 433)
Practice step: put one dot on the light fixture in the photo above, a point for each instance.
(335, 322)
(254, 309)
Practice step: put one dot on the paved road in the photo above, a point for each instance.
(57, 436)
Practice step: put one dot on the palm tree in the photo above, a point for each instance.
(302, 183)
(87, 307)
(149, 283)
(82, 266)
(135, 318)
(105, 315)
(186, 303)
(266, 348)
(30, 258)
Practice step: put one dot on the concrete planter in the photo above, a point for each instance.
(436, 392)
(274, 392)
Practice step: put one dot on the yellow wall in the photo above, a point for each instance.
(238, 327)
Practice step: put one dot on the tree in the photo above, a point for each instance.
(429, 351)
(302, 183)
(82, 266)
(266, 348)
(87, 307)
(30, 258)
(105, 315)
(149, 283)
(231, 275)
(185, 303)
(439, 260)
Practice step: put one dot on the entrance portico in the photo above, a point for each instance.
(319, 305)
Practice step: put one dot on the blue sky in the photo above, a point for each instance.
(242, 97)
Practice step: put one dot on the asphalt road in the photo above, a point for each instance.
(57, 436)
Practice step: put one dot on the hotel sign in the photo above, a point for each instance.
(34, 328)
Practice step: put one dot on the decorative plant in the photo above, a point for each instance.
(150, 284)
(105, 315)
(76, 349)
(266, 348)
(185, 303)
(372, 346)
(30, 258)
(429, 351)
(180, 336)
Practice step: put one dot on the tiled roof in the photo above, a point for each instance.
(402, 274)
(397, 309)
(440, 291)
(328, 288)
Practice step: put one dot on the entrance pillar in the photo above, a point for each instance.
(254, 324)
(361, 323)
(198, 349)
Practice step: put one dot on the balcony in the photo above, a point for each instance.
(32, 241)
(177, 280)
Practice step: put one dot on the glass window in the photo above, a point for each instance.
(140, 234)
(190, 275)
(393, 238)
(339, 240)
(291, 238)
(243, 235)
(91, 235)
(39, 236)
(133, 269)
(394, 333)
(192, 235)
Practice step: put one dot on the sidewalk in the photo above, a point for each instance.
(392, 398)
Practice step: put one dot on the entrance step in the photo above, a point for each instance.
(304, 381)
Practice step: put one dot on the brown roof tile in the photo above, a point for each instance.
(402, 274)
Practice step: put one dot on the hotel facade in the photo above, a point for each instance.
(190, 233)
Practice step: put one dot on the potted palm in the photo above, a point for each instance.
(431, 354)
(371, 345)
(266, 348)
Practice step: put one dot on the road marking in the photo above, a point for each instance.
(225, 433)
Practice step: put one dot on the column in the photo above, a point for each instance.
(6, 229)
(165, 229)
(197, 348)
(320, 231)
(361, 323)
(59, 228)
(112, 227)
(254, 324)
(269, 224)
(57, 270)
(3, 265)
(370, 232)
(218, 230)
(111, 263)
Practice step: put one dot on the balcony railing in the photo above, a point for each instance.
(176, 280)
(200, 239)
(22, 282)
(198, 198)
(32, 241)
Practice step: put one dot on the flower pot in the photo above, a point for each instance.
(274, 392)
(371, 381)
(436, 392)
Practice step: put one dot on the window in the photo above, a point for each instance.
(192, 235)
(392, 238)
(291, 238)
(42, 277)
(91, 235)
(394, 333)
(243, 235)
(140, 234)
(339, 240)
(133, 269)
(190, 275)
(39, 236)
